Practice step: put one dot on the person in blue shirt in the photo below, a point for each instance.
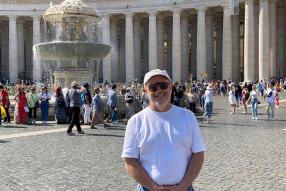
(112, 103)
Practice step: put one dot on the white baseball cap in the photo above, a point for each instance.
(156, 72)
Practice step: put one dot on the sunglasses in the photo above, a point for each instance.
(154, 87)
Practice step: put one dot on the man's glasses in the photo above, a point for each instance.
(154, 87)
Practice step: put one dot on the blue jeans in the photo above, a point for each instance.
(254, 106)
(141, 188)
(270, 108)
(114, 116)
(209, 109)
(44, 110)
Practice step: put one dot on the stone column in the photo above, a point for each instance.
(273, 66)
(20, 45)
(169, 48)
(129, 47)
(194, 47)
(227, 46)
(106, 61)
(185, 49)
(122, 63)
(137, 48)
(235, 48)
(4, 49)
(152, 41)
(145, 37)
(114, 51)
(249, 41)
(219, 34)
(37, 69)
(256, 41)
(209, 46)
(13, 52)
(281, 39)
(264, 40)
(176, 51)
(160, 42)
(201, 43)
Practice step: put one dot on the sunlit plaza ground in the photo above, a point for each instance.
(242, 155)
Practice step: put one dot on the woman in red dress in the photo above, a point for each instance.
(21, 99)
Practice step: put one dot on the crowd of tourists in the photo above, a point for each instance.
(82, 105)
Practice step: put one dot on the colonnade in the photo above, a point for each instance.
(205, 43)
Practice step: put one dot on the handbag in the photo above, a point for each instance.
(26, 109)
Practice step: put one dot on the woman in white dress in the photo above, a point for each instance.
(232, 100)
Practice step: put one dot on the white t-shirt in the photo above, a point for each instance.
(272, 97)
(253, 95)
(209, 96)
(163, 142)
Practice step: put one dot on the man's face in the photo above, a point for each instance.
(159, 96)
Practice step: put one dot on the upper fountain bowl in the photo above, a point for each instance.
(61, 50)
(71, 9)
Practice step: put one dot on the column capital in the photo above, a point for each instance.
(12, 17)
(249, 1)
(176, 11)
(128, 14)
(105, 15)
(35, 17)
(201, 9)
(152, 13)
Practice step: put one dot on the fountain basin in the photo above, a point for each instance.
(71, 49)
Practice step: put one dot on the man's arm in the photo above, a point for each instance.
(135, 169)
(194, 167)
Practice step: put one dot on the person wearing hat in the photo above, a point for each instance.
(33, 104)
(163, 147)
(75, 103)
(208, 102)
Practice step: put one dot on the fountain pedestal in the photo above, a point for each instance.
(64, 78)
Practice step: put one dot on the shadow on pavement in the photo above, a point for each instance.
(2, 141)
(103, 135)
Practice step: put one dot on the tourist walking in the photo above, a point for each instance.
(112, 103)
(129, 99)
(253, 100)
(87, 104)
(97, 109)
(270, 100)
(33, 104)
(245, 96)
(5, 102)
(208, 102)
(21, 100)
(44, 97)
(163, 147)
(75, 104)
(60, 107)
(232, 100)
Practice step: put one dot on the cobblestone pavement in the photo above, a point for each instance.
(242, 155)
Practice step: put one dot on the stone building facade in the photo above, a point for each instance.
(201, 39)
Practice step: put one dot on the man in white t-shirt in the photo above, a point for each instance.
(163, 147)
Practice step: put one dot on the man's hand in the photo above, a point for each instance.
(174, 188)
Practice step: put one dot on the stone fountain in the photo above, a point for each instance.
(72, 30)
